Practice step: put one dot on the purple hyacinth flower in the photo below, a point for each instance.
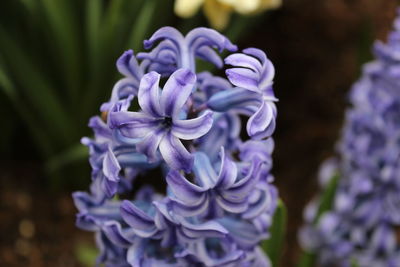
(253, 71)
(128, 66)
(212, 192)
(185, 128)
(159, 123)
(177, 51)
(361, 226)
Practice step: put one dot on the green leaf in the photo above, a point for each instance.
(327, 198)
(94, 11)
(36, 89)
(62, 20)
(273, 246)
(27, 116)
(141, 26)
(76, 153)
(86, 254)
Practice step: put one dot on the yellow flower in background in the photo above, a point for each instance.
(218, 11)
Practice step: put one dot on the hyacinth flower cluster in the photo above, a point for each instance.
(216, 200)
(361, 228)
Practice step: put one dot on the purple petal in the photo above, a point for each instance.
(244, 61)
(241, 189)
(142, 223)
(204, 171)
(234, 98)
(243, 78)
(168, 33)
(204, 36)
(127, 65)
(227, 173)
(135, 253)
(186, 210)
(133, 124)
(184, 190)
(121, 90)
(113, 230)
(176, 91)
(111, 166)
(149, 144)
(193, 128)
(175, 154)
(233, 207)
(149, 94)
(261, 119)
(207, 229)
(208, 54)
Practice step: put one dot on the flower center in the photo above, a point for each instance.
(167, 122)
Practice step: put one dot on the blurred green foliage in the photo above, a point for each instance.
(57, 65)
(273, 246)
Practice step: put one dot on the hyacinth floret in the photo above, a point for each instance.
(166, 119)
(362, 226)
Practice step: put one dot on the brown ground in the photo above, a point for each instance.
(315, 46)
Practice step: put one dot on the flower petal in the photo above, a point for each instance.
(176, 91)
(142, 223)
(111, 166)
(207, 229)
(227, 173)
(243, 78)
(127, 65)
(234, 98)
(113, 230)
(244, 61)
(184, 190)
(241, 189)
(149, 94)
(149, 144)
(260, 120)
(204, 171)
(193, 128)
(132, 124)
(175, 154)
(189, 210)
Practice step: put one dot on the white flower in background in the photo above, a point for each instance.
(218, 11)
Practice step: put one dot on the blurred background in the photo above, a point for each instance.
(57, 65)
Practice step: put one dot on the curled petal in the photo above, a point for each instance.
(114, 232)
(244, 61)
(204, 171)
(243, 78)
(186, 210)
(111, 166)
(135, 253)
(241, 189)
(175, 154)
(127, 65)
(176, 91)
(149, 144)
(234, 98)
(193, 128)
(227, 173)
(198, 36)
(208, 54)
(233, 207)
(168, 33)
(207, 229)
(261, 120)
(149, 94)
(142, 224)
(184, 190)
